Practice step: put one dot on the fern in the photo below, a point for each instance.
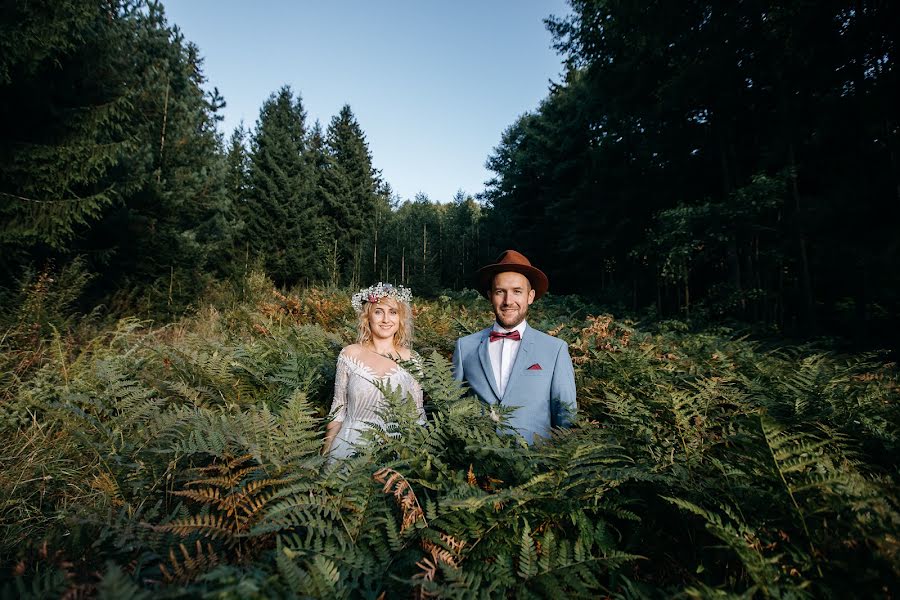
(233, 494)
(527, 554)
(117, 585)
(700, 466)
(740, 538)
(184, 566)
(320, 579)
(397, 485)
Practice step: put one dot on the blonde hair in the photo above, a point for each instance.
(403, 337)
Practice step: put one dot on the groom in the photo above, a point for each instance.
(512, 364)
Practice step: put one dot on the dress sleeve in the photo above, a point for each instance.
(339, 404)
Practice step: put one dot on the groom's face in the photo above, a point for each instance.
(511, 295)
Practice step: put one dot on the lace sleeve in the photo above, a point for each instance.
(339, 404)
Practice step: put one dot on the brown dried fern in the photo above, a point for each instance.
(233, 503)
(451, 555)
(189, 567)
(488, 483)
(396, 484)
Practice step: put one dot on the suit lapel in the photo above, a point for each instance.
(521, 356)
(485, 359)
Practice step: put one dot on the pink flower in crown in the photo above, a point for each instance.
(372, 299)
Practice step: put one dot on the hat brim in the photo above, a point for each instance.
(539, 281)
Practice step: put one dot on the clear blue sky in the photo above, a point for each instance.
(432, 84)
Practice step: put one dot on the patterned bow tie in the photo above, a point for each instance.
(499, 335)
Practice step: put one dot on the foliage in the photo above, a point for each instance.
(282, 224)
(112, 154)
(61, 150)
(353, 185)
(736, 158)
(183, 459)
(682, 164)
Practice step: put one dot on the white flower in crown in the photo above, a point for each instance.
(376, 292)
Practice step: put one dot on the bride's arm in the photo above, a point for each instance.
(338, 405)
(330, 433)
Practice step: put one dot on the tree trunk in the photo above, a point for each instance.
(731, 251)
(861, 304)
(734, 271)
(807, 308)
(375, 248)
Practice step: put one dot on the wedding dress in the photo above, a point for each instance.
(357, 400)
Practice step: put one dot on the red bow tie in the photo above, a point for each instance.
(499, 335)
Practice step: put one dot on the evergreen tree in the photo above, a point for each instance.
(352, 192)
(285, 228)
(742, 155)
(113, 153)
(65, 103)
(461, 254)
(331, 189)
(384, 202)
(165, 235)
(414, 242)
(237, 184)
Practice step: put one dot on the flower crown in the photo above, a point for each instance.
(375, 293)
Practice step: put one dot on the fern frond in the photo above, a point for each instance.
(397, 485)
(739, 537)
(187, 567)
(216, 527)
(527, 554)
(116, 584)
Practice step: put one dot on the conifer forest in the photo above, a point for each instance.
(713, 188)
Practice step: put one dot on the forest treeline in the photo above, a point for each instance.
(731, 158)
(700, 159)
(114, 157)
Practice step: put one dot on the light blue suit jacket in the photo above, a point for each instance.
(544, 397)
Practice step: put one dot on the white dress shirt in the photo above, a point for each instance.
(503, 354)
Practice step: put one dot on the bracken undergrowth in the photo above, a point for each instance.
(183, 460)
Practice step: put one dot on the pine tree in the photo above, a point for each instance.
(460, 248)
(237, 183)
(285, 228)
(65, 105)
(113, 153)
(165, 234)
(331, 187)
(353, 184)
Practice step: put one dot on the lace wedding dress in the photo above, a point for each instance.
(357, 400)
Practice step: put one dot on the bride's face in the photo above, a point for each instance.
(384, 318)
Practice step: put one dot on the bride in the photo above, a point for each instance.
(384, 332)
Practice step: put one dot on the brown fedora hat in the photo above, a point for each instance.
(510, 260)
